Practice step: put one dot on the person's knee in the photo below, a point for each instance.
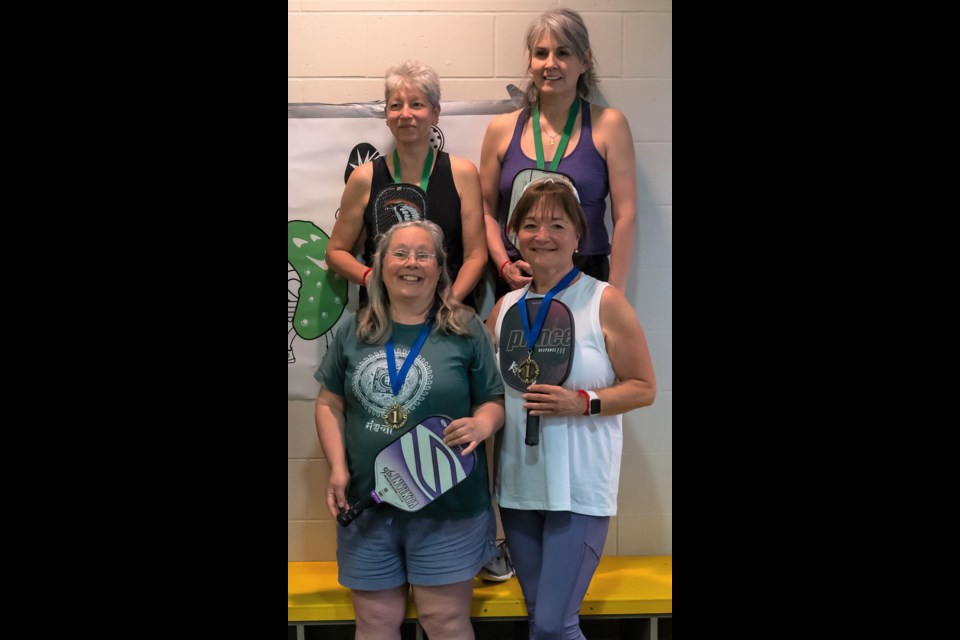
(444, 610)
(445, 624)
(555, 626)
(548, 628)
(379, 619)
(555, 629)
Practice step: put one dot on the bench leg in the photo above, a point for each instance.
(299, 632)
(654, 632)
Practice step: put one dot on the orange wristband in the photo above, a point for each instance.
(363, 279)
(505, 263)
(581, 392)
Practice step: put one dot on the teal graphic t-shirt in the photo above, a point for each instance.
(449, 376)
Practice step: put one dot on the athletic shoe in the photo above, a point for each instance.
(500, 569)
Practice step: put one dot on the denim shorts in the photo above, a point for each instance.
(378, 551)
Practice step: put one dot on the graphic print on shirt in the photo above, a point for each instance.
(371, 384)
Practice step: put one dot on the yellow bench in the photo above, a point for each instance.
(623, 586)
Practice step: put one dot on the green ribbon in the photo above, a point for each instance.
(424, 179)
(564, 139)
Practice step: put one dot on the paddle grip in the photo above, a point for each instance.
(533, 430)
(348, 516)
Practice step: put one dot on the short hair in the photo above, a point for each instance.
(412, 73)
(549, 194)
(569, 30)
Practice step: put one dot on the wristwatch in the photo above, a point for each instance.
(594, 403)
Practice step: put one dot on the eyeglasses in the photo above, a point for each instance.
(421, 256)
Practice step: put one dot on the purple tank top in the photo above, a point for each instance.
(584, 165)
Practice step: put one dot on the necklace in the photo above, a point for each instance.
(551, 136)
(564, 139)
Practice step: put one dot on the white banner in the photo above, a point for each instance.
(324, 144)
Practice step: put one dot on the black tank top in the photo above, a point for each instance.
(443, 208)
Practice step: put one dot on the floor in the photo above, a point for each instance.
(593, 629)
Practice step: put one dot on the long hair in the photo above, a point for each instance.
(450, 317)
(412, 73)
(569, 30)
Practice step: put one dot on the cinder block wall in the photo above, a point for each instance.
(338, 51)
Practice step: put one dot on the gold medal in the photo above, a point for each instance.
(395, 416)
(528, 370)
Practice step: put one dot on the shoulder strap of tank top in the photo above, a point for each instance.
(380, 171)
(443, 169)
(585, 122)
(521, 120)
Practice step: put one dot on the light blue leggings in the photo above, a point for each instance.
(555, 554)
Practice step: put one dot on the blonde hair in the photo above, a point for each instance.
(449, 316)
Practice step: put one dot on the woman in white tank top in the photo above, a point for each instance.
(556, 497)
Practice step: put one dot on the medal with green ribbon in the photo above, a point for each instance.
(424, 179)
(564, 139)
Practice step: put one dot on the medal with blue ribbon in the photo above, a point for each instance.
(396, 414)
(529, 370)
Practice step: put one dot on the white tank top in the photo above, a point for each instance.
(576, 466)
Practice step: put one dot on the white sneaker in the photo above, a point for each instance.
(500, 569)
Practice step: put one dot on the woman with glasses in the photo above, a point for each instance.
(451, 184)
(412, 352)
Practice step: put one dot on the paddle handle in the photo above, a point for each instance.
(351, 514)
(533, 430)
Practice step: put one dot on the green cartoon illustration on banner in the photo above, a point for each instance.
(316, 295)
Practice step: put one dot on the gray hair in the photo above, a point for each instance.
(375, 325)
(569, 30)
(413, 73)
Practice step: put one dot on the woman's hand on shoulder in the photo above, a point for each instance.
(517, 274)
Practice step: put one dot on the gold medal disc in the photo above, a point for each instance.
(395, 416)
(528, 370)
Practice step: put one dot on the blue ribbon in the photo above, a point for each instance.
(532, 333)
(397, 378)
